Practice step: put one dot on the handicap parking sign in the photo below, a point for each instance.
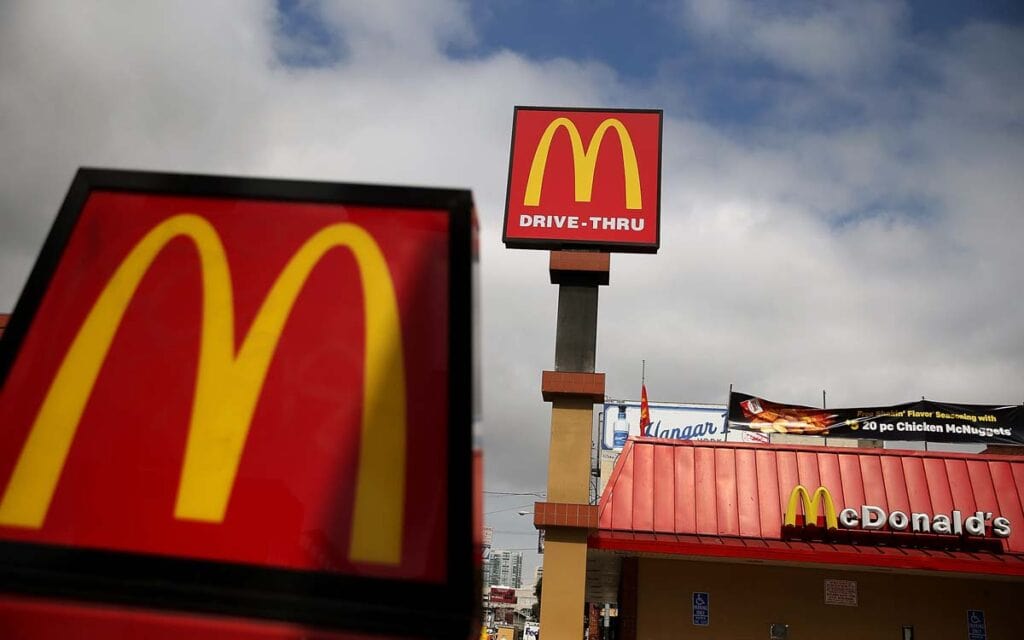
(976, 625)
(701, 608)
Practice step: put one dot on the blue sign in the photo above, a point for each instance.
(701, 608)
(976, 625)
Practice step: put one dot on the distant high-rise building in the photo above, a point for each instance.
(486, 551)
(492, 571)
(504, 568)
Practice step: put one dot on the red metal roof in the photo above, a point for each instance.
(728, 500)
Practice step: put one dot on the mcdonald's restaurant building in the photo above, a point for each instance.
(734, 541)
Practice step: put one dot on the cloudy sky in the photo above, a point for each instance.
(842, 189)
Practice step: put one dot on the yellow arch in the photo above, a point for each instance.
(228, 386)
(584, 162)
(812, 506)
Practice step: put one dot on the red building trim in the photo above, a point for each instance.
(702, 547)
(588, 386)
(562, 514)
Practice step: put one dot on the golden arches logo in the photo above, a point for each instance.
(584, 161)
(229, 383)
(821, 500)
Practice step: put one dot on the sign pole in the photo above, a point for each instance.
(572, 388)
(558, 200)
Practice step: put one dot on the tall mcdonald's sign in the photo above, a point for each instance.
(245, 397)
(584, 179)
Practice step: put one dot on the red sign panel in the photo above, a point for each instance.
(503, 595)
(37, 619)
(254, 377)
(584, 178)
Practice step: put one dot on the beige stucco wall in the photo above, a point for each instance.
(569, 451)
(747, 598)
(565, 550)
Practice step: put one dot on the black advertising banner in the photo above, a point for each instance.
(924, 420)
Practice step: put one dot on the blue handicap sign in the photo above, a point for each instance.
(976, 625)
(701, 608)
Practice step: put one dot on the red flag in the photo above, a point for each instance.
(645, 410)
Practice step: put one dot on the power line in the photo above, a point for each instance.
(519, 549)
(522, 506)
(540, 494)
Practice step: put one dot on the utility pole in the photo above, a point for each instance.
(572, 389)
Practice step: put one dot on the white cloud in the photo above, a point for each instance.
(391, 29)
(820, 40)
(200, 91)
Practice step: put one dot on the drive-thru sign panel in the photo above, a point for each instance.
(584, 179)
